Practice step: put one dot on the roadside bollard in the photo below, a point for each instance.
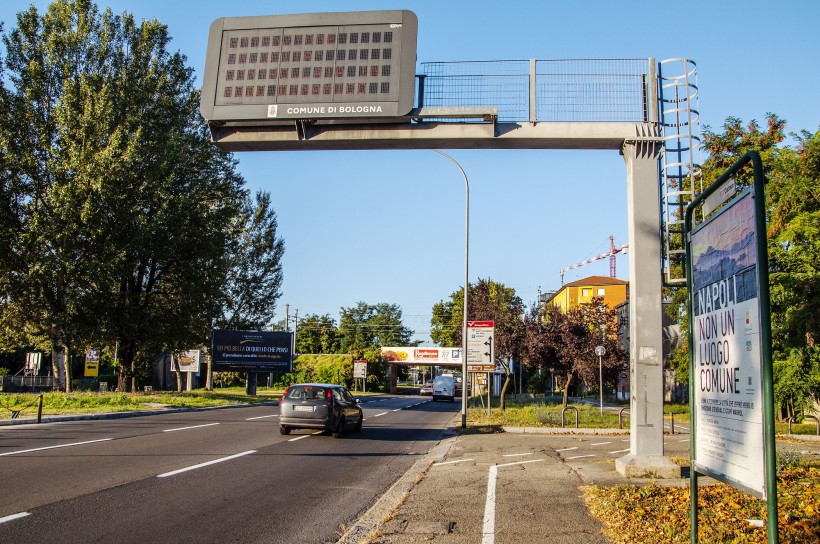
(40, 410)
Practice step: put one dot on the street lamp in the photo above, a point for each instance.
(466, 284)
(599, 351)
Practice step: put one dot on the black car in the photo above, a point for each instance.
(330, 408)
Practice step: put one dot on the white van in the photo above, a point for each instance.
(444, 388)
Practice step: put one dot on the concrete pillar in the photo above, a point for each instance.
(645, 458)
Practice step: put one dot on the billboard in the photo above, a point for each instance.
(310, 66)
(252, 351)
(188, 361)
(422, 356)
(728, 375)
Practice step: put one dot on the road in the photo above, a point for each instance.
(206, 476)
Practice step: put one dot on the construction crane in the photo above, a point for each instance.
(611, 254)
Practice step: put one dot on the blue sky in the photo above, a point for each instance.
(388, 226)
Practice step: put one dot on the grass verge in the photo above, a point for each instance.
(88, 403)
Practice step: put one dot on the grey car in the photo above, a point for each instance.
(330, 408)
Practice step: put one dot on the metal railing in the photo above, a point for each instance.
(572, 90)
(27, 383)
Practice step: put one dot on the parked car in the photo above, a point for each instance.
(330, 408)
(427, 388)
(444, 388)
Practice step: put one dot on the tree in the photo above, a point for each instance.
(488, 301)
(120, 208)
(365, 328)
(793, 213)
(573, 336)
(317, 334)
(255, 275)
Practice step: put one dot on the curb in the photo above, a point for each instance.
(371, 520)
(565, 431)
(120, 415)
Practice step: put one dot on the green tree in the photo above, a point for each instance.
(488, 301)
(254, 279)
(367, 326)
(317, 334)
(121, 209)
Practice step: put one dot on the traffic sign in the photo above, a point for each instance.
(480, 345)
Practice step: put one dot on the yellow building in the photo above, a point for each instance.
(577, 293)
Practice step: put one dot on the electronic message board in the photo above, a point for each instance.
(310, 66)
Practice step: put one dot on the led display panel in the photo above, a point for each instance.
(310, 66)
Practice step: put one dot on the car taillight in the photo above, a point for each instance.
(285, 394)
(329, 396)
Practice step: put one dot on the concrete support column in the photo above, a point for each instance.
(645, 458)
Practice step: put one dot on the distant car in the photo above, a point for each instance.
(444, 388)
(330, 408)
(427, 388)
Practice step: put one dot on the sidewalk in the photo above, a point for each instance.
(504, 488)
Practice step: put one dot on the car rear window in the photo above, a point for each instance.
(306, 392)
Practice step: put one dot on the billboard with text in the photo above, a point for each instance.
(252, 351)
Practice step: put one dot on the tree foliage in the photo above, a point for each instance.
(488, 300)
(565, 342)
(793, 231)
(122, 223)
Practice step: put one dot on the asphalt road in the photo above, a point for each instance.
(206, 476)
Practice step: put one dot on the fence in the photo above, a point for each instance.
(577, 90)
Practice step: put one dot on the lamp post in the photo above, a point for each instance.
(466, 284)
(599, 351)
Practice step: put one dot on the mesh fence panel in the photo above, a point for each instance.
(594, 90)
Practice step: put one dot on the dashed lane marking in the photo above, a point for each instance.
(305, 436)
(568, 449)
(516, 454)
(55, 447)
(200, 465)
(260, 417)
(383, 413)
(601, 443)
(12, 517)
(620, 451)
(579, 457)
(191, 427)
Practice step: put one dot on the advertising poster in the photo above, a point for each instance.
(727, 380)
(252, 351)
(422, 355)
(188, 361)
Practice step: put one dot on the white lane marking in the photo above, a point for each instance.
(578, 457)
(54, 447)
(306, 435)
(625, 440)
(620, 451)
(397, 409)
(14, 516)
(684, 440)
(191, 427)
(377, 415)
(516, 454)
(452, 462)
(568, 449)
(600, 443)
(488, 531)
(260, 417)
(200, 465)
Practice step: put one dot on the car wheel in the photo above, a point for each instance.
(358, 427)
(284, 430)
(340, 428)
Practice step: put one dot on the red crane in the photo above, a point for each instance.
(611, 254)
